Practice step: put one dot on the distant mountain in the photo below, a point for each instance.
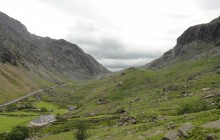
(196, 42)
(19, 47)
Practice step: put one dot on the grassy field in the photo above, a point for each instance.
(51, 107)
(8, 122)
(154, 98)
(23, 117)
(61, 136)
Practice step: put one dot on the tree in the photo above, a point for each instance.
(28, 104)
(81, 133)
(11, 107)
(18, 133)
(43, 109)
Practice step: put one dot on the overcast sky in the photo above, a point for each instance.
(117, 33)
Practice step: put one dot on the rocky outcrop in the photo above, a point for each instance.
(196, 42)
(185, 129)
(172, 135)
(183, 132)
(214, 124)
(18, 46)
(205, 32)
(125, 120)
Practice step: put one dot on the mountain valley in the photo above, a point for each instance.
(176, 96)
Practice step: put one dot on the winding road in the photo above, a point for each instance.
(30, 94)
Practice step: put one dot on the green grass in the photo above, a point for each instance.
(60, 136)
(142, 96)
(16, 81)
(12, 119)
(154, 98)
(21, 113)
(51, 107)
(7, 122)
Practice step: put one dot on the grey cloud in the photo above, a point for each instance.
(120, 65)
(207, 4)
(179, 16)
(109, 47)
(112, 48)
(71, 6)
(116, 64)
(77, 8)
(105, 45)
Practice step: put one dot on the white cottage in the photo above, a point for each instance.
(43, 120)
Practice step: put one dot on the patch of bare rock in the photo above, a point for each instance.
(183, 131)
(214, 124)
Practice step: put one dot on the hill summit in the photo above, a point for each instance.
(18, 46)
(196, 42)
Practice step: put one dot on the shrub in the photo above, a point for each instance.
(193, 106)
(81, 133)
(3, 136)
(11, 108)
(43, 109)
(200, 133)
(18, 133)
(217, 100)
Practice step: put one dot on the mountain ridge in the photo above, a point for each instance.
(58, 56)
(195, 42)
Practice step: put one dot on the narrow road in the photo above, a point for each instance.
(30, 94)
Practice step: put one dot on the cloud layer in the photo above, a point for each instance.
(108, 47)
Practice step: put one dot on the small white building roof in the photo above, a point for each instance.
(43, 120)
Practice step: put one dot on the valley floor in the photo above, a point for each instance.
(180, 101)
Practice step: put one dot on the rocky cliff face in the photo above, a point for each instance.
(196, 42)
(18, 46)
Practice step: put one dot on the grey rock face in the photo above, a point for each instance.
(182, 132)
(205, 32)
(196, 42)
(17, 45)
(211, 137)
(214, 124)
(172, 135)
(185, 129)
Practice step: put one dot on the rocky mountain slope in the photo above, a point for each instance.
(19, 47)
(181, 101)
(196, 42)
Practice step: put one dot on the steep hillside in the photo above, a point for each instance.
(178, 100)
(29, 62)
(141, 104)
(17, 45)
(195, 43)
(16, 81)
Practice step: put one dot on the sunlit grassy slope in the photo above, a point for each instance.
(142, 89)
(154, 98)
(51, 107)
(8, 122)
(16, 81)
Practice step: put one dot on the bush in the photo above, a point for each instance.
(18, 133)
(217, 100)
(11, 108)
(43, 109)
(81, 133)
(200, 133)
(193, 106)
(3, 136)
